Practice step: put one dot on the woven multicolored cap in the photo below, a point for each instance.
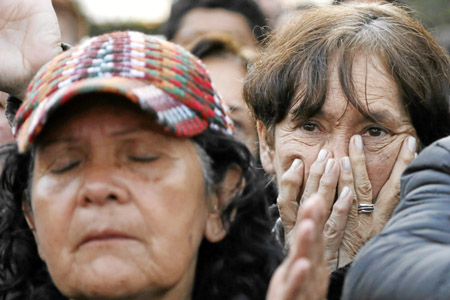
(162, 78)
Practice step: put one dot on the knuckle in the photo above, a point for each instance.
(286, 179)
(364, 188)
(358, 159)
(281, 202)
(289, 179)
(340, 210)
(330, 233)
(406, 159)
(324, 184)
(316, 171)
(346, 176)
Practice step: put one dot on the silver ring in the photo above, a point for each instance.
(364, 208)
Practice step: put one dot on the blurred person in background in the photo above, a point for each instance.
(271, 9)
(191, 18)
(226, 61)
(5, 129)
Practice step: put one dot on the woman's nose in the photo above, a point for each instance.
(100, 186)
(338, 146)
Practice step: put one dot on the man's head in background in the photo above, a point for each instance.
(226, 61)
(192, 18)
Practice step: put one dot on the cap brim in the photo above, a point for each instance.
(174, 117)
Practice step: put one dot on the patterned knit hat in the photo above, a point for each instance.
(162, 78)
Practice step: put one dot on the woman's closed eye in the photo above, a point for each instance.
(143, 158)
(64, 166)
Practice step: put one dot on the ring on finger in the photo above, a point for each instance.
(365, 208)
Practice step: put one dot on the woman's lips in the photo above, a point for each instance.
(107, 235)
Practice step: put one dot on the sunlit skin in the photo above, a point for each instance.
(227, 74)
(198, 21)
(128, 201)
(338, 121)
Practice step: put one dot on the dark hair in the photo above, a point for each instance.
(220, 44)
(238, 267)
(23, 275)
(294, 66)
(247, 8)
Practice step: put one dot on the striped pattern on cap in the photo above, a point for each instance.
(162, 78)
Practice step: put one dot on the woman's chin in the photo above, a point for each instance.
(106, 277)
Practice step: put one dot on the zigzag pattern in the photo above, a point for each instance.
(187, 105)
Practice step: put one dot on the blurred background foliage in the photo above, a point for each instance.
(432, 13)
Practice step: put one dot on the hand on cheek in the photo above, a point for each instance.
(322, 180)
(361, 227)
(345, 230)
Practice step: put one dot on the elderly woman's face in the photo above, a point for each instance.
(118, 208)
(338, 121)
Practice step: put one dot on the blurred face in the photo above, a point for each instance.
(5, 130)
(119, 209)
(338, 121)
(199, 21)
(227, 74)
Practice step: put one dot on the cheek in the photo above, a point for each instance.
(50, 210)
(379, 166)
(174, 211)
(289, 148)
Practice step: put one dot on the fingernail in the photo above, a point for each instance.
(296, 163)
(322, 155)
(415, 155)
(330, 163)
(358, 142)
(412, 144)
(346, 163)
(344, 192)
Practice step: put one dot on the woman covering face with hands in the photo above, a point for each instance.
(343, 96)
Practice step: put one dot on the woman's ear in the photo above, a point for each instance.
(29, 217)
(214, 229)
(28, 213)
(219, 200)
(265, 150)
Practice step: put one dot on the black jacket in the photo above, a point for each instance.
(410, 259)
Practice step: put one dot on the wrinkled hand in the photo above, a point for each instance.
(304, 274)
(361, 227)
(323, 178)
(29, 37)
(345, 231)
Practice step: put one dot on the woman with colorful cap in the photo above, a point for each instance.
(126, 182)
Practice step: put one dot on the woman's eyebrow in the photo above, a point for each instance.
(383, 116)
(127, 131)
(49, 142)
(379, 115)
